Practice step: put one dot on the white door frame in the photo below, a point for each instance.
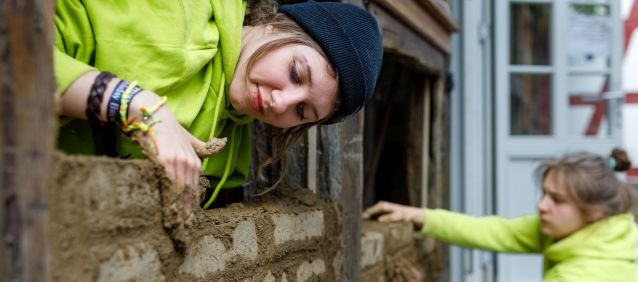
(472, 144)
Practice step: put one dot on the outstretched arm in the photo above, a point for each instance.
(519, 235)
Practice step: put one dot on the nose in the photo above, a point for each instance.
(543, 204)
(284, 100)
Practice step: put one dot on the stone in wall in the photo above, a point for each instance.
(389, 252)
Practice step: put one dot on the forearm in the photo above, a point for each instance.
(74, 99)
(491, 233)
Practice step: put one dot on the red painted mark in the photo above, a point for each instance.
(631, 98)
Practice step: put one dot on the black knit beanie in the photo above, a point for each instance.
(350, 38)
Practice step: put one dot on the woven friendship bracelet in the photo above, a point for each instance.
(124, 104)
(146, 124)
(96, 94)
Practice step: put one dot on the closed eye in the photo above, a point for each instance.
(301, 111)
(294, 74)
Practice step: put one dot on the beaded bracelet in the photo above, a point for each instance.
(96, 94)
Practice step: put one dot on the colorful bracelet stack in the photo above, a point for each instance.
(118, 105)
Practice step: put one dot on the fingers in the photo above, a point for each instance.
(380, 208)
(391, 217)
(376, 209)
(176, 154)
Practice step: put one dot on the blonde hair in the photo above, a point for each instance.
(590, 182)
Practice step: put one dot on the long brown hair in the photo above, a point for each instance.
(591, 182)
(262, 12)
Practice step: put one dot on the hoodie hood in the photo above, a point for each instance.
(605, 247)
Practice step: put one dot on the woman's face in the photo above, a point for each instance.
(288, 86)
(559, 214)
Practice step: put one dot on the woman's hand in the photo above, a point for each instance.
(173, 147)
(391, 212)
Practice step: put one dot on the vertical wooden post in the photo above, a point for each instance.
(425, 153)
(340, 175)
(352, 194)
(27, 136)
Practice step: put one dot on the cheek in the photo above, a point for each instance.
(268, 69)
(571, 219)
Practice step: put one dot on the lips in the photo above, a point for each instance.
(257, 102)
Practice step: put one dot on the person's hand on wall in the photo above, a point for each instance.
(173, 148)
(391, 212)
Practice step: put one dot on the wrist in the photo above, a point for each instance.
(143, 99)
(417, 218)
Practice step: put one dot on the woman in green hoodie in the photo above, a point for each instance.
(174, 74)
(583, 228)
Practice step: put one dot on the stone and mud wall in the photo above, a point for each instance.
(112, 220)
(109, 221)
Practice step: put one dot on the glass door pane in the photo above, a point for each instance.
(530, 45)
(530, 34)
(530, 104)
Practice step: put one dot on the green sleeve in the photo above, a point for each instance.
(518, 235)
(74, 43)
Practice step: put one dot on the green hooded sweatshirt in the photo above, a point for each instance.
(185, 50)
(602, 251)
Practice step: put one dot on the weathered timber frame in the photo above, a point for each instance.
(27, 136)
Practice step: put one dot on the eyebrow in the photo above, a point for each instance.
(553, 193)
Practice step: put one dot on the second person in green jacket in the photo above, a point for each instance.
(583, 228)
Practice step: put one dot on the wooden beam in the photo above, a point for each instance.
(27, 136)
(425, 157)
(415, 135)
(423, 21)
(351, 194)
(312, 159)
(440, 15)
(340, 176)
(404, 41)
